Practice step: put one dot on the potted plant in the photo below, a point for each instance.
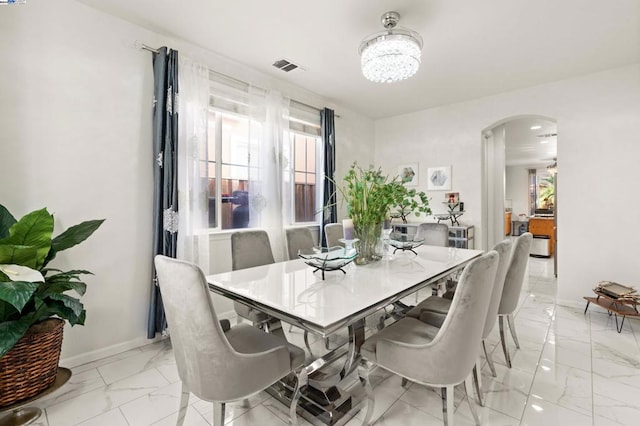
(369, 196)
(34, 299)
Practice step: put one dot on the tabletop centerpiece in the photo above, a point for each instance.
(370, 196)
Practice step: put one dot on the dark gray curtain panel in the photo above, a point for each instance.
(330, 210)
(165, 176)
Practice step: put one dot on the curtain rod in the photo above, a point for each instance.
(143, 46)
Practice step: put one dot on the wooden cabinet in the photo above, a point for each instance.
(543, 226)
(507, 223)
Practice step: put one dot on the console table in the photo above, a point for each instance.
(622, 307)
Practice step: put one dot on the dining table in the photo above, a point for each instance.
(324, 304)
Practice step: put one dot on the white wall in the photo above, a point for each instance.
(598, 118)
(75, 114)
(517, 189)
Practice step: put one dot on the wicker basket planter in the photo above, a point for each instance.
(31, 365)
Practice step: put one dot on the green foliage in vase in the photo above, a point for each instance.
(31, 292)
(372, 197)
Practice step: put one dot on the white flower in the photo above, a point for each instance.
(21, 273)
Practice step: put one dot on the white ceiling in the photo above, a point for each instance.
(525, 146)
(471, 48)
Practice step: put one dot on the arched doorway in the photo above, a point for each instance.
(524, 148)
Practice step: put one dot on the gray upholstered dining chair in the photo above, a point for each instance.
(334, 232)
(512, 288)
(298, 239)
(249, 249)
(215, 362)
(434, 309)
(441, 357)
(434, 234)
(301, 239)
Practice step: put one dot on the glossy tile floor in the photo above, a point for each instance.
(572, 369)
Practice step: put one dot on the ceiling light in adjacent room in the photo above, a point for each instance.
(391, 55)
(535, 127)
(544, 141)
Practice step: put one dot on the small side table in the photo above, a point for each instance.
(22, 415)
(622, 307)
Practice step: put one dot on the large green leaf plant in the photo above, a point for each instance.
(31, 292)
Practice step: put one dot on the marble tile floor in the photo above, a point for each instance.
(571, 369)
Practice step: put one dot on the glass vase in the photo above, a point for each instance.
(369, 245)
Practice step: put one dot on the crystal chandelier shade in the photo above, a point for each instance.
(391, 55)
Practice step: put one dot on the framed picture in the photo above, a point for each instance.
(409, 174)
(452, 197)
(439, 178)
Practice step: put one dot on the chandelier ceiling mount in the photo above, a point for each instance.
(391, 55)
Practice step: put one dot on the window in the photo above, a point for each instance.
(226, 164)
(305, 152)
(229, 141)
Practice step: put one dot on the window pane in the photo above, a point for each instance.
(212, 203)
(305, 178)
(211, 139)
(235, 140)
(235, 197)
(299, 152)
(311, 155)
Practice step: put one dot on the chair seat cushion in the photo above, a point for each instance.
(253, 315)
(407, 330)
(248, 340)
(433, 304)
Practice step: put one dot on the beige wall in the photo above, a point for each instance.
(598, 118)
(75, 114)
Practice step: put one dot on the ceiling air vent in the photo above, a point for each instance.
(548, 135)
(285, 65)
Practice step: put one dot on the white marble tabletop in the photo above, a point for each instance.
(292, 292)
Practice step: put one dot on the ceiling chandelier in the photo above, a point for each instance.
(391, 55)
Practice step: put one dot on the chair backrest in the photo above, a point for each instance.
(298, 239)
(333, 232)
(249, 249)
(504, 251)
(515, 274)
(455, 347)
(434, 234)
(204, 357)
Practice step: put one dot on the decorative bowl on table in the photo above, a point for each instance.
(328, 258)
(404, 242)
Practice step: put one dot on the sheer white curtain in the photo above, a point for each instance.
(193, 111)
(268, 160)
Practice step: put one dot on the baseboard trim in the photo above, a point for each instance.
(118, 348)
(98, 354)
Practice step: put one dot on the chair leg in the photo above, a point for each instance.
(218, 413)
(504, 341)
(447, 405)
(363, 374)
(472, 405)
(184, 404)
(487, 355)
(512, 328)
(301, 383)
(477, 384)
